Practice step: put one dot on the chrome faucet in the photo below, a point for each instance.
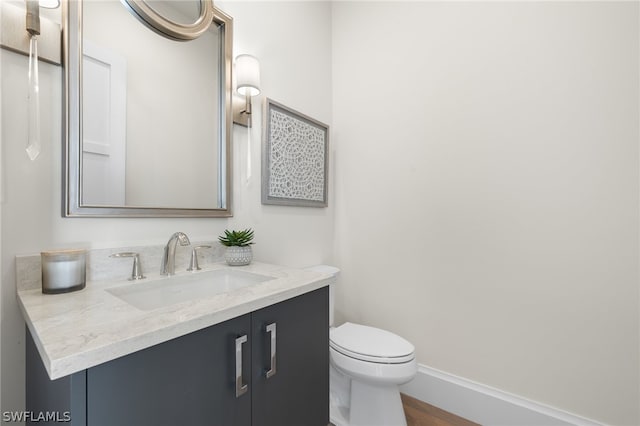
(168, 266)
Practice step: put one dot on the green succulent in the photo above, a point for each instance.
(236, 238)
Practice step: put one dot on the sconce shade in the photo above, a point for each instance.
(50, 4)
(248, 75)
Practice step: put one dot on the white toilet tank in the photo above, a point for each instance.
(331, 270)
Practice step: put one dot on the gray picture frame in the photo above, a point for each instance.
(295, 158)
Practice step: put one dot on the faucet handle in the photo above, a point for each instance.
(193, 263)
(136, 272)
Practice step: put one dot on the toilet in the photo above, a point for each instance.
(367, 365)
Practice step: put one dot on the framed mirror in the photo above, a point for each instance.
(185, 20)
(148, 118)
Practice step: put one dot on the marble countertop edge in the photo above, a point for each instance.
(154, 326)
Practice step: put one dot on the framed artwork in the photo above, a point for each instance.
(295, 158)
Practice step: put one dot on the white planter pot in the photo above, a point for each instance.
(238, 256)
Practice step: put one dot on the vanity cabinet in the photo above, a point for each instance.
(191, 380)
(185, 381)
(297, 393)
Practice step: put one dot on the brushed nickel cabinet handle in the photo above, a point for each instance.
(271, 329)
(241, 388)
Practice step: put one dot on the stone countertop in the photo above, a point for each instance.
(78, 330)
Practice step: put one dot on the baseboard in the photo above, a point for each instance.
(483, 404)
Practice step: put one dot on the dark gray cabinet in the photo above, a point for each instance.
(301, 367)
(185, 381)
(192, 380)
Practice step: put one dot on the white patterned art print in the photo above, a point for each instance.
(294, 158)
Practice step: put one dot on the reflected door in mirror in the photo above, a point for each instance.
(105, 120)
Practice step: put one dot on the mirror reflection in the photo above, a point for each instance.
(177, 20)
(183, 12)
(155, 114)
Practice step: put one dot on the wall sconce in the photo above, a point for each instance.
(25, 36)
(50, 4)
(16, 38)
(33, 13)
(248, 85)
(33, 97)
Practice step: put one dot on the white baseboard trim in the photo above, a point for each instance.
(484, 404)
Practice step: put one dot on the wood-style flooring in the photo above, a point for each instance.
(420, 413)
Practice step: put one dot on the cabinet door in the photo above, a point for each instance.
(186, 381)
(297, 392)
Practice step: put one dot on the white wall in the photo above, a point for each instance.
(30, 214)
(487, 154)
(495, 143)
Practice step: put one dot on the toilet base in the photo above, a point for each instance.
(356, 403)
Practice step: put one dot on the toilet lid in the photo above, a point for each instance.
(370, 344)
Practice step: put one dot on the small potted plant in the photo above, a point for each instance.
(238, 245)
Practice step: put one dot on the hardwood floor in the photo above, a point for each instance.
(420, 413)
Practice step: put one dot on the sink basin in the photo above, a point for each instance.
(182, 288)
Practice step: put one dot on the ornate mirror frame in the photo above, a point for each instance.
(168, 28)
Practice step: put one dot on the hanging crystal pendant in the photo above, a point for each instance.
(248, 174)
(33, 100)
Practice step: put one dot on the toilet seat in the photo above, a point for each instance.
(371, 344)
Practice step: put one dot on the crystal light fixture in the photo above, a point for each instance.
(33, 94)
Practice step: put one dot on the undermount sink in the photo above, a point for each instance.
(185, 287)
